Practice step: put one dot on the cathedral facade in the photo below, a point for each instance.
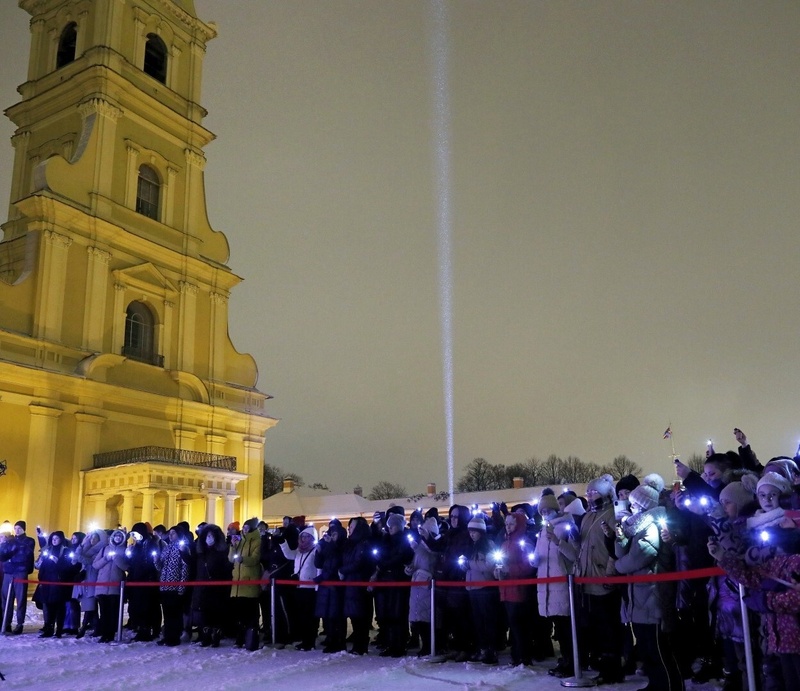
(122, 397)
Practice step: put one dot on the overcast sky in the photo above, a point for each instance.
(625, 204)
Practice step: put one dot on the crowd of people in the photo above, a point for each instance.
(213, 585)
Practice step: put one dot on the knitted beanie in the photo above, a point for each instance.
(778, 481)
(548, 501)
(737, 493)
(655, 481)
(645, 496)
(477, 523)
(604, 485)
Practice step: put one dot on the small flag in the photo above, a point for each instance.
(668, 432)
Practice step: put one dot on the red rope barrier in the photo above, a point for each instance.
(600, 580)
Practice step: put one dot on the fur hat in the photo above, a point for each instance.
(783, 485)
(655, 481)
(548, 501)
(628, 482)
(645, 496)
(431, 525)
(737, 493)
(395, 519)
(477, 523)
(604, 485)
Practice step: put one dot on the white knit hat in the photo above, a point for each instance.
(778, 481)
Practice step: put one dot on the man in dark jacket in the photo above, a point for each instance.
(16, 553)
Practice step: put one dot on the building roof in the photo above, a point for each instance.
(322, 505)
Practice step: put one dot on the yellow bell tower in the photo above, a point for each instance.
(121, 395)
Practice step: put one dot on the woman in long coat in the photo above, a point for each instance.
(91, 546)
(421, 570)
(245, 555)
(111, 564)
(330, 598)
(555, 555)
(211, 601)
(357, 566)
(55, 566)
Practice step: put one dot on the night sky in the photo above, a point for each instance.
(624, 206)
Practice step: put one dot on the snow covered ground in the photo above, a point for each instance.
(30, 662)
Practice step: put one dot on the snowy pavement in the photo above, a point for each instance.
(29, 662)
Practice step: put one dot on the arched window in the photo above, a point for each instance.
(148, 189)
(155, 58)
(66, 45)
(139, 334)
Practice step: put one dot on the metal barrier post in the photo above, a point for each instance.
(119, 616)
(578, 681)
(272, 609)
(433, 618)
(748, 644)
(6, 614)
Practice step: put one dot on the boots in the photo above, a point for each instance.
(216, 637)
(610, 668)
(205, 637)
(425, 634)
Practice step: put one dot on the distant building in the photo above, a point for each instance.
(122, 397)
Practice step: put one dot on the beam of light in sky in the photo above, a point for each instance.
(441, 150)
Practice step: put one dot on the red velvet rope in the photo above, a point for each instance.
(599, 580)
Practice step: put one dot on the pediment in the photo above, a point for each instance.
(146, 277)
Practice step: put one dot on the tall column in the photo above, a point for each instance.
(148, 502)
(95, 299)
(37, 498)
(126, 511)
(171, 509)
(87, 444)
(227, 514)
(187, 326)
(218, 335)
(211, 507)
(252, 488)
(52, 285)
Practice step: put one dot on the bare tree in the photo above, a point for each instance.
(273, 480)
(387, 490)
(529, 471)
(551, 470)
(621, 466)
(480, 476)
(697, 463)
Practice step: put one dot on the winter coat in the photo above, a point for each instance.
(593, 553)
(422, 568)
(394, 554)
(111, 565)
(551, 559)
(328, 560)
(55, 566)
(173, 567)
(211, 564)
(516, 564)
(357, 567)
(723, 596)
(303, 564)
(644, 553)
(16, 553)
(245, 556)
(480, 567)
(782, 604)
(85, 555)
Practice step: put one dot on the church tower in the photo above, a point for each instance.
(121, 394)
